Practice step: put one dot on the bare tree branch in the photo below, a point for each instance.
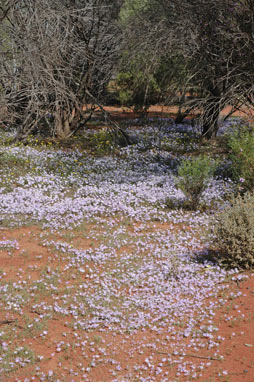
(51, 52)
(209, 47)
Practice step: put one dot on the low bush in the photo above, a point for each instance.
(234, 233)
(102, 142)
(193, 177)
(241, 145)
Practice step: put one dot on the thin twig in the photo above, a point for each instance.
(6, 322)
(36, 312)
(192, 355)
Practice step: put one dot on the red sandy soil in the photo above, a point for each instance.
(237, 348)
(160, 110)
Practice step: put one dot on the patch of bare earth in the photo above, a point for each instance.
(65, 351)
(162, 110)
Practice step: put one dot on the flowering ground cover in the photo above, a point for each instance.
(101, 279)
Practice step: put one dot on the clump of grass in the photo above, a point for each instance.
(234, 233)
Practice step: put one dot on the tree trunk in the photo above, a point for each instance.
(210, 119)
(63, 124)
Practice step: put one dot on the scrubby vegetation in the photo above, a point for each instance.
(241, 144)
(60, 61)
(234, 233)
(194, 175)
(121, 238)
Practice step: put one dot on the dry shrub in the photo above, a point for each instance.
(234, 233)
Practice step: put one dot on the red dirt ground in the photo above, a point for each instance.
(171, 111)
(237, 348)
(27, 262)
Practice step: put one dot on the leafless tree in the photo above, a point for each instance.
(56, 57)
(211, 40)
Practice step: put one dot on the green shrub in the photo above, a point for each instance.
(234, 233)
(136, 90)
(193, 177)
(102, 142)
(242, 157)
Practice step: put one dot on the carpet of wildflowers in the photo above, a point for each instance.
(99, 278)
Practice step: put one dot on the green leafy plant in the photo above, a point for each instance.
(102, 142)
(137, 90)
(234, 233)
(242, 157)
(193, 177)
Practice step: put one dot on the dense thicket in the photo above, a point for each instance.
(57, 57)
(208, 47)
